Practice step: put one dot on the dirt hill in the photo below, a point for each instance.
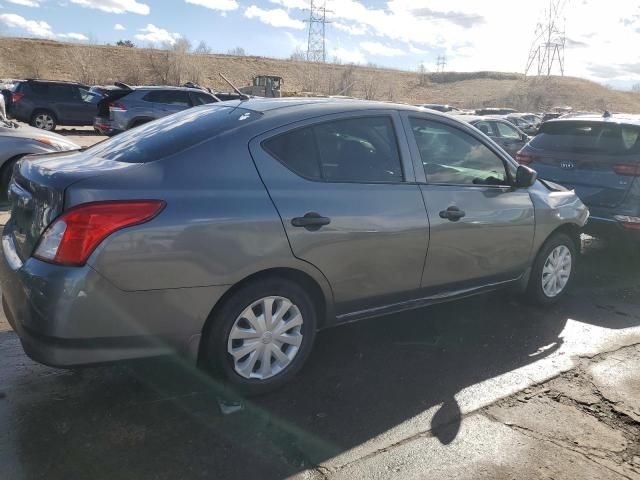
(98, 64)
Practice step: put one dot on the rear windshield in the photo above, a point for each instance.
(588, 137)
(172, 134)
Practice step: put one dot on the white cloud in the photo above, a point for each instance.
(115, 6)
(32, 27)
(119, 26)
(73, 36)
(299, 4)
(351, 29)
(276, 17)
(377, 48)
(347, 56)
(153, 34)
(26, 3)
(222, 5)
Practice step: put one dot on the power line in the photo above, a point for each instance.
(548, 48)
(441, 64)
(316, 46)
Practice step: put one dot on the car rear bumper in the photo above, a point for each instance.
(610, 229)
(104, 126)
(72, 316)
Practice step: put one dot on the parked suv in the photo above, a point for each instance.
(46, 104)
(232, 232)
(599, 157)
(125, 107)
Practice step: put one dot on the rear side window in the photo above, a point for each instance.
(588, 137)
(201, 98)
(507, 131)
(352, 150)
(173, 134)
(168, 97)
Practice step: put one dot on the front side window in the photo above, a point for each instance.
(352, 150)
(507, 131)
(453, 157)
(485, 127)
(201, 98)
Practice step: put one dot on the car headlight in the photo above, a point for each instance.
(58, 145)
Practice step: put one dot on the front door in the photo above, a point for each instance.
(342, 188)
(481, 228)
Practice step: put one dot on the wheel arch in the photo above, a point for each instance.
(44, 110)
(318, 290)
(570, 229)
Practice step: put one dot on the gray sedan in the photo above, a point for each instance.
(231, 233)
(501, 131)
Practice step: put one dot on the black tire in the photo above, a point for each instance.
(44, 120)
(5, 177)
(216, 335)
(535, 293)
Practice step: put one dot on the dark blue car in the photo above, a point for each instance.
(599, 157)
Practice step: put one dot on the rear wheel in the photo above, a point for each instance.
(261, 336)
(44, 120)
(553, 270)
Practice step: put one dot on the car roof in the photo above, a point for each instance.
(63, 82)
(475, 118)
(331, 105)
(619, 118)
(168, 87)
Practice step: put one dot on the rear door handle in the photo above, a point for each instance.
(311, 221)
(452, 213)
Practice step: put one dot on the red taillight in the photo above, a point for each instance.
(16, 97)
(524, 158)
(73, 236)
(627, 169)
(120, 107)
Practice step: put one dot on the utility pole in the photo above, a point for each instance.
(316, 46)
(548, 48)
(442, 63)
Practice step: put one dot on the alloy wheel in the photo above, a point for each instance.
(44, 121)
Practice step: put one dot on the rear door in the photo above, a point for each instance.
(600, 160)
(481, 229)
(344, 187)
(66, 103)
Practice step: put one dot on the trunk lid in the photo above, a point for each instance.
(36, 192)
(109, 96)
(586, 157)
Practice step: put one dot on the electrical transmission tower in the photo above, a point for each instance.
(547, 49)
(442, 63)
(316, 47)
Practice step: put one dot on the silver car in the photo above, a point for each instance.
(17, 140)
(231, 233)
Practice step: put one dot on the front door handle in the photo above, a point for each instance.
(452, 213)
(311, 221)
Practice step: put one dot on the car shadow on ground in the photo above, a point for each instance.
(160, 418)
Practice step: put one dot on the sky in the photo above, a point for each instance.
(602, 35)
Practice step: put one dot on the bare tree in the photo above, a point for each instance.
(203, 48)
(238, 52)
(636, 88)
(422, 75)
(370, 88)
(85, 64)
(298, 55)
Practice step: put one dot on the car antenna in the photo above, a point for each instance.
(243, 96)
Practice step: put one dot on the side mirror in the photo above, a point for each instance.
(525, 177)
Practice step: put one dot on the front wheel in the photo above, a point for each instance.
(553, 270)
(261, 336)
